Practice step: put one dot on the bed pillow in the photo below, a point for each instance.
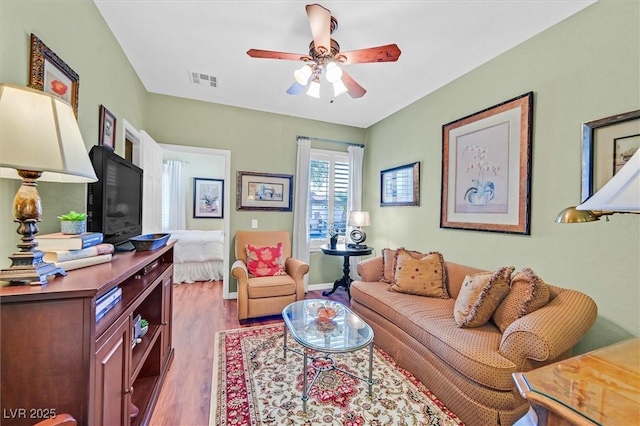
(388, 263)
(528, 293)
(480, 295)
(422, 276)
(265, 261)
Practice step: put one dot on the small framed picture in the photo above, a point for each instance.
(107, 136)
(607, 144)
(49, 73)
(400, 186)
(208, 197)
(264, 191)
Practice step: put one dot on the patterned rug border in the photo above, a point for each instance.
(215, 383)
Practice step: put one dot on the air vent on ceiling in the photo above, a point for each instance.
(203, 79)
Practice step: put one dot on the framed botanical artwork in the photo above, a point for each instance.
(264, 191)
(607, 144)
(107, 125)
(400, 186)
(486, 168)
(208, 198)
(49, 73)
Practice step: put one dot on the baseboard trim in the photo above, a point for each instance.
(321, 286)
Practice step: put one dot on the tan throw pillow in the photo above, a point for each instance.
(528, 293)
(422, 276)
(388, 263)
(480, 295)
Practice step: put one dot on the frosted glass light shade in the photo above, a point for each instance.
(303, 74)
(314, 88)
(39, 132)
(339, 88)
(621, 193)
(333, 72)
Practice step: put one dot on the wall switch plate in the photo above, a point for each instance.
(254, 223)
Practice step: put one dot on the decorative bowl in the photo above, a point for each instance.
(324, 311)
(326, 328)
(149, 242)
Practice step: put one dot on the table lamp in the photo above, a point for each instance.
(39, 140)
(358, 219)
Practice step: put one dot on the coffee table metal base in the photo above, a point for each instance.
(321, 369)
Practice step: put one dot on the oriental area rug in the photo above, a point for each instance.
(253, 384)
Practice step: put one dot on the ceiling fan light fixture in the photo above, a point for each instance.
(333, 72)
(303, 74)
(339, 88)
(314, 88)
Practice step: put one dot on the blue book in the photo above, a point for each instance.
(107, 308)
(60, 241)
(106, 295)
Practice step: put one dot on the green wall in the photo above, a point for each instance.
(76, 32)
(259, 142)
(584, 68)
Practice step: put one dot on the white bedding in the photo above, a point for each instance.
(197, 255)
(197, 245)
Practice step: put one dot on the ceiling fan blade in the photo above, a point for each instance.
(320, 23)
(387, 53)
(296, 88)
(355, 90)
(271, 54)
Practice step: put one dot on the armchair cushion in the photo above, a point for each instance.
(263, 287)
(265, 261)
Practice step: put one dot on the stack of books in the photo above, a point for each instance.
(107, 301)
(74, 251)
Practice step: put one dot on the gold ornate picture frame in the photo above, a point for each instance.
(49, 73)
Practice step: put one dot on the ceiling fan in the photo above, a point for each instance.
(324, 54)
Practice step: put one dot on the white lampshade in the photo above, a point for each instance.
(314, 88)
(303, 74)
(333, 72)
(39, 132)
(359, 218)
(621, 193)
(339, 88)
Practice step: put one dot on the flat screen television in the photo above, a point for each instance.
(114, 203)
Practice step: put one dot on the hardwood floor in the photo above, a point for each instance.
(199, 311)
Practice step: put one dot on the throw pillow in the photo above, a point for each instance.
(388, 263)
(528, 293)
(423, 276)
(265, 261)
(480, 295)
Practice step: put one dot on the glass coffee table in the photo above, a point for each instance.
(323, 328)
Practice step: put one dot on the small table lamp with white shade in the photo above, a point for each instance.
(39, 140)
(358, 219)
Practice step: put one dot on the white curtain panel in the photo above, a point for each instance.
(173, 195)
(356, 157)
(300, 245)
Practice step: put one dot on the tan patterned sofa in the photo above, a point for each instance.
(469, 369)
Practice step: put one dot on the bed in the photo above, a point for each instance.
(197, 255)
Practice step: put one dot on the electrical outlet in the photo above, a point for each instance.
(254, 223)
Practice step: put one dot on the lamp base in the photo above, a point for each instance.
(28, 268)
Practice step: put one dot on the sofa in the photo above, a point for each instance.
(468, 369)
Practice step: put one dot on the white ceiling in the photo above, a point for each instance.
(439, 40)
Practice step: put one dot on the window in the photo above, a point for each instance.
(328, 189)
